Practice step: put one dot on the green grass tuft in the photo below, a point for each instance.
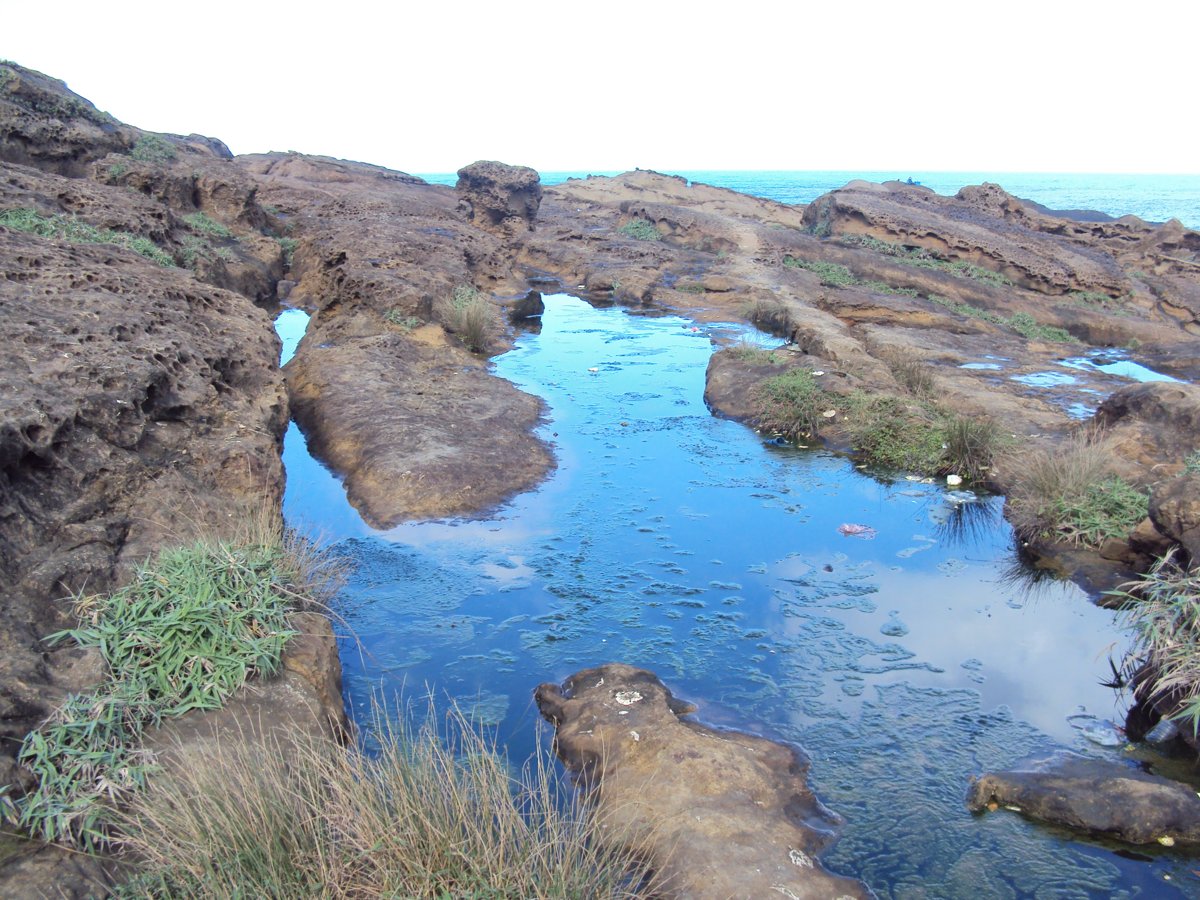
(198, 221)
(1070, 494)
(1163, 611)
(469, 315)
(77, 231)
(640, 230)
(184, 634)
(151, 148)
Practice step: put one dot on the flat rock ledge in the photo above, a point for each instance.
(718, 814)
(1096, 796)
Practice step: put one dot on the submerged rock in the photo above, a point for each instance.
(719, 814)
(1095, 796)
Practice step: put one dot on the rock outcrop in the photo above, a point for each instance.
(718, 814)
(499, 197)
(1095, 796)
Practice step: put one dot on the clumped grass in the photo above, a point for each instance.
(640, 230)
(927, 259)
(972, 444)
(1070, 494)
(837, 275)
(469, 315)
(151, 148)
(790, 404)
(911, 372)
(187, 631)
(428, 812)
(891, 432)
(1191, 463)
(198, 221)
(1162, 609)
(1027, 326)
(755, 355)
(1097, 300)
(882, 429)
(71, 228)
(831, 274)
(1022, 323)
(771, 315)
(288, 245)
(405, 323)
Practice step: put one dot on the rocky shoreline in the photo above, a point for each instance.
(143, 400)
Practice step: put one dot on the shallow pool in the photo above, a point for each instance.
(903, 660)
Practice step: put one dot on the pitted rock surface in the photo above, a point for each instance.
(499, 197)
(718, 813)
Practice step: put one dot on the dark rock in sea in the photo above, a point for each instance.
(1097, 797)
(718, 813)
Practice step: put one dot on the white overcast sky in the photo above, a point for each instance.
(1045, 86)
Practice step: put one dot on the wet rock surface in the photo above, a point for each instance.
(1097, 797)
(719, 814)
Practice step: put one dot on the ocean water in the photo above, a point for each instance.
(1155, 198)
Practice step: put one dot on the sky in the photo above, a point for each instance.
(1049, 86)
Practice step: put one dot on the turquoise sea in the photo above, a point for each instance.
(1155, 198)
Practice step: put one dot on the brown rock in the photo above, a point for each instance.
(1154, 427)
(719, 814)
(498, 197)
(1096, 796)
(1175, 512)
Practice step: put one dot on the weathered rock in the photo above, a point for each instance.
(419, 428)
(1096, 796)
(44, 124)
(1175, 512)
(1154, 426)
(499, 197)
(719, 814)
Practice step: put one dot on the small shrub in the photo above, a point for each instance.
(1191, 463)
(400, 320)
(469, 314)
(424, 814)
(1162, 609)
(198, 221)
(151, 148)
(640, 230)
(288, 245)
(1071, 494)
(790, 404)
(117, 169)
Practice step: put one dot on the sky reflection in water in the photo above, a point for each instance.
(687, 544)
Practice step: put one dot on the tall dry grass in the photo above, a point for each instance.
(1070, 493)
(420, 812)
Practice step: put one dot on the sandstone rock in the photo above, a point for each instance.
(1096, 796)
(499, 197)
(719, 814)
(1175, 512)
(1154, 426)
(44, 124)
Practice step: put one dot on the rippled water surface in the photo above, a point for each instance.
(689, 545)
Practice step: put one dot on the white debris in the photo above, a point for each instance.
(953, 480)
(635, 735)
(627, 698)
(800, 858)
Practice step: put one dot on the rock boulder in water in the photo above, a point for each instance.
(719, 814)
(1095, 796)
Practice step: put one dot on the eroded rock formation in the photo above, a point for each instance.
(718, 813)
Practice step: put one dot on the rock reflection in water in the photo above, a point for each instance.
(687, 545)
